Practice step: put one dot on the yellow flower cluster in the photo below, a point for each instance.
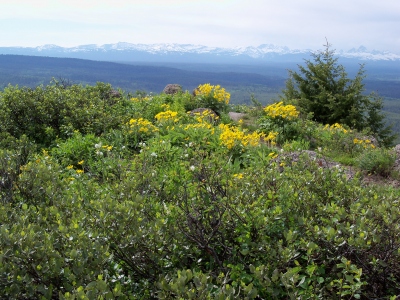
(107, 147)
(364, 143)
(232, 136)
(205, 116)
(134, 99)
(279, 110)
(78, 171)
(167, 115)
(273, 155)
(271, 137)
(336, 127)
(238, 176)
(198, 125)
(142, 125)
(215, 91)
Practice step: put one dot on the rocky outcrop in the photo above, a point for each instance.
(172, 89)
(396, 166)
(235, 116)
(115, 94)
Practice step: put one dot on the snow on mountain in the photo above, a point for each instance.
(263, 51)
(364, 54)
(251, 51)
(48, 47)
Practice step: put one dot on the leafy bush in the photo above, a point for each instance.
(168, 205)
(12, 161)
(210, 96)
(377, 161)
(46, 113)
(283, 119)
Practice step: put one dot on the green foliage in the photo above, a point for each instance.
(212, 97)
(56, 111)
(322, 87)
(377, 161)
(12, 159)
(296, 146)
(285, 121)
(175, 206)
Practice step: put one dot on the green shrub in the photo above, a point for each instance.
(46, 113)
(178, 207)
(377, 161)
(211, 96)
(283, 119)
(12, 161)
(296, 146)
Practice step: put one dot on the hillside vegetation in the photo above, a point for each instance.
(110, 195)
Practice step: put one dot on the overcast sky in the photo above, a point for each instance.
(302, 24)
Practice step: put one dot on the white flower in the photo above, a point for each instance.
(153, 154)
(97, 146)
(192, 168)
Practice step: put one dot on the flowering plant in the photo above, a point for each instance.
(282, 119)
(278, 110)
(167, 116)
(212, 96)
(234, 136)
(365, 143)
(139, 130)
(336, 128)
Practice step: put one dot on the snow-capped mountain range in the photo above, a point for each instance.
(127, 51)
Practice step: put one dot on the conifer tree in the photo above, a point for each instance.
(322, 88)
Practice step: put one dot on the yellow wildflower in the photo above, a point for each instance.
(336, 128)
(167, 115)
(283, 111)
(232, 136)
(273, 155)
(238, 176)
(142, 125)
(215, 91)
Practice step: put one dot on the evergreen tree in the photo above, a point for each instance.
(322, 88)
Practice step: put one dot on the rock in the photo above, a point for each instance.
(397, 150)
(316, 158)
(396, 166)
(115, 94)
(236, 116)
(172, 89)
(195, 91)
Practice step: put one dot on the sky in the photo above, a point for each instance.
(297, 24)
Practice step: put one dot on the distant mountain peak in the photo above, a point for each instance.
(131, 51)
(364, 54)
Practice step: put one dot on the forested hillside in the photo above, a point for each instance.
(32, 71)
